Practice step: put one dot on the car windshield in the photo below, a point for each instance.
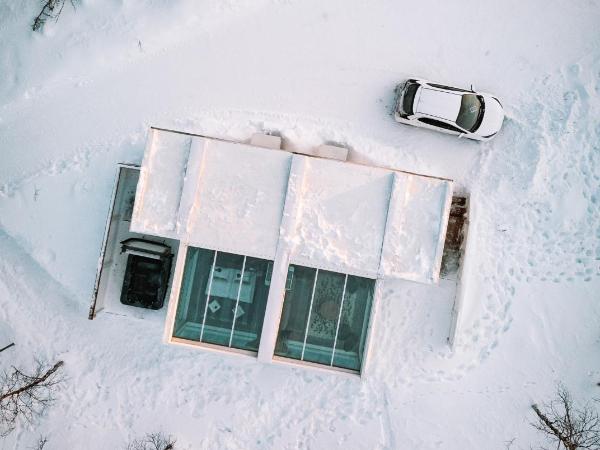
(470, 113)
(409, 98)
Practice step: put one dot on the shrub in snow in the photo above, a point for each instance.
(40, 444)
(153, 441)
(50, 10)
(566, 425)
(26, 396)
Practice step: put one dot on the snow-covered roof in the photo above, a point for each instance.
(343, 214)
(212, 193)
(239, 198)
(416, 227)
(438, 103)
(347, 217)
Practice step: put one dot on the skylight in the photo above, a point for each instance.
(325, 318)
(222, 299)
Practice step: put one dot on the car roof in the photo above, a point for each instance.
(438, 103)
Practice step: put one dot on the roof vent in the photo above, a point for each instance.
(332, 152)
(266, 141)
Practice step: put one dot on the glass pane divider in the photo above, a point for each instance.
(337, 327)
(237, 301)
(212, 272)
(312, 297)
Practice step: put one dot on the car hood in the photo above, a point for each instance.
(492, 117)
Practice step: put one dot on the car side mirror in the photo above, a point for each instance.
(461, 135)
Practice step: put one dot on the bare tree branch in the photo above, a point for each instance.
(152, 441)
(23, 395)
(566, 425)
(552, 429)
(7, 347)
(41, 443)
(51, 10)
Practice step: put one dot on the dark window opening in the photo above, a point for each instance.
(408, 98)
(471, 110)
(447, 88)
(440, 124)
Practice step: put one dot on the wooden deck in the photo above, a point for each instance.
(455, 236)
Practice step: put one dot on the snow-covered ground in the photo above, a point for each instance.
(79, 97)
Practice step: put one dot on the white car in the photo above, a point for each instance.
(452, 110)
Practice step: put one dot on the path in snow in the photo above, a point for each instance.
(79, 98)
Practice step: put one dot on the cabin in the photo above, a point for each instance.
(266, 253)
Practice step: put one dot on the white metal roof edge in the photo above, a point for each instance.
(135, 225)
(437, 264)
(191, 186)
